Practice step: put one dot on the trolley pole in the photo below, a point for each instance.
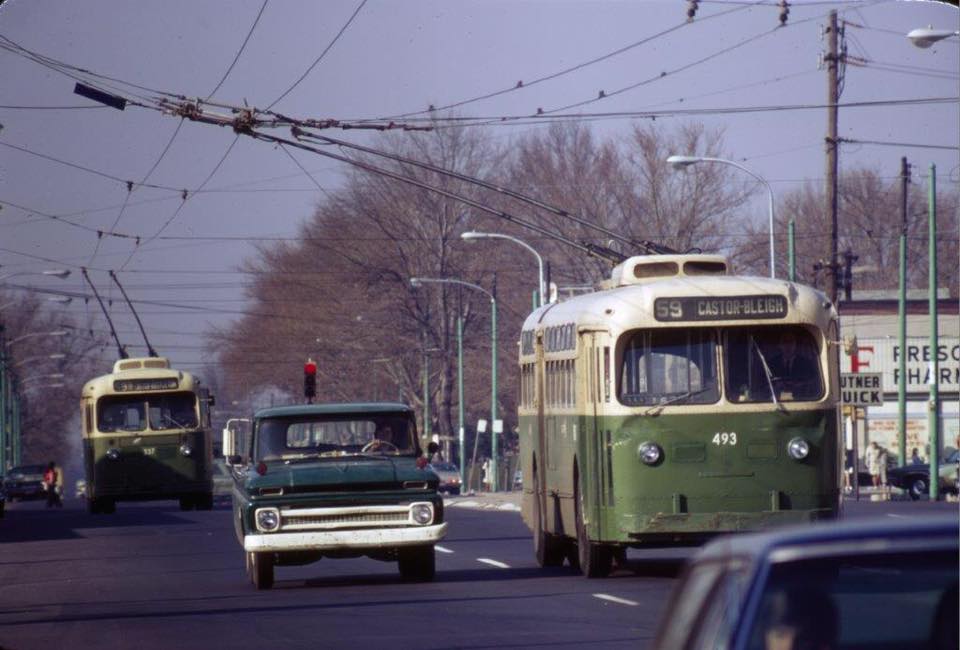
(792, 250)
(934, 405)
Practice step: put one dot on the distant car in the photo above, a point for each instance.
(449, 475)
(25, 482)
(854, 584)
(80, 488)
(915, 479)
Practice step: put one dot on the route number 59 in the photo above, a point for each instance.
(724, 439)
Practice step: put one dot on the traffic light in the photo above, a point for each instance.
(310, 379)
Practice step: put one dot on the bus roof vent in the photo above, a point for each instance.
(649, 268)
(138, 364)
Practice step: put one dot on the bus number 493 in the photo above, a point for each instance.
(724, 438)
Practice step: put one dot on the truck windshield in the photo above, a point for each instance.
(129, 412)
(767, 364)
(290, 438)
(662, 367)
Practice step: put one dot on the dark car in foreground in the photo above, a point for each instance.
(852, 585)
(915, 479)
(335, 481)
(25, 482)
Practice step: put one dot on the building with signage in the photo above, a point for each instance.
(874, 321)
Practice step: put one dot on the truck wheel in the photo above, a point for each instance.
(261, 569)
(918, 488)
(203, 501)
(187, 503)
(595, 559)
(93, 506)
(417, 563)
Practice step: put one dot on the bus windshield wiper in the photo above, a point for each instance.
(766, 371)
(675, 399)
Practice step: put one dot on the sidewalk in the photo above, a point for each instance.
(504, 501)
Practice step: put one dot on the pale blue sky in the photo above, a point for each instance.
(397, 57)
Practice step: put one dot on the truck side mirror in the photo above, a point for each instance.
(229, 443)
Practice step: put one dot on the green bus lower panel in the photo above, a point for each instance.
(148, 468)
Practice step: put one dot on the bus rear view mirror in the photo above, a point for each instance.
(229, 443)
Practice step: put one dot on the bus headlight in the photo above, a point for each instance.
(268, 519)
(422, 513)
(186, 449)
(113, 454)
(649, 453)
(798, 448)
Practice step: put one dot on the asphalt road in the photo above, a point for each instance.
(151, 576)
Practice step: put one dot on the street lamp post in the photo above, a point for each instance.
(468, 236)
(415, 282)
(681, 162)
(9, 403)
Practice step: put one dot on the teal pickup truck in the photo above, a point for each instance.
(336, 481)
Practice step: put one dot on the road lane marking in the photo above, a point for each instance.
(499, 565)
(442, 549)
(614, 599)
(897, 516)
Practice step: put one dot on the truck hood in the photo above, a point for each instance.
(347, 474)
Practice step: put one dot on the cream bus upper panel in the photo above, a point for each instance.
(630, 307)
(141, 379)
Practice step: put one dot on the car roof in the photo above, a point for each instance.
(812, 539)
(332, 409)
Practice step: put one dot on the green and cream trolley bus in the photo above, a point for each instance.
(146, 435)
(675, 403)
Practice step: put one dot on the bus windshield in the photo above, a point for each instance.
(129, 412)
(766, 364)
(288, 438)
(671, 366)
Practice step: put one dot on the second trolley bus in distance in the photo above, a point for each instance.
(676, 403)
(146, 434)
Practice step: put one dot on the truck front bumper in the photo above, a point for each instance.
(344, 539)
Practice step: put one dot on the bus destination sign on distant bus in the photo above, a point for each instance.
(722, 308)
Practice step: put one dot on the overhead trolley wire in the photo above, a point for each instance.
(319, 58)
(240, 51)
(554, 75)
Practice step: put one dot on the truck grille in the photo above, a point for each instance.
(292, 519)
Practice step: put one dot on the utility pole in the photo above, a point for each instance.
(832, 59)
(902, 318)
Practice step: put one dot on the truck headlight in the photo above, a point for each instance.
(421, 513)
(113, 454)
(268, 519)
(186, 449)
(798, 448)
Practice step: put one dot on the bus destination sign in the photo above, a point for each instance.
(720, 308)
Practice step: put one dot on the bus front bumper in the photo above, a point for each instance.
(344, 539)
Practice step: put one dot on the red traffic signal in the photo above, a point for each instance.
(310, 379)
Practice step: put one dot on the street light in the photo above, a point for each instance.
(682, 162)
(59, 273)
(926, 36)
(468, 236)
(55, 355)
(52, 375)
(416, 282)
(32, 334)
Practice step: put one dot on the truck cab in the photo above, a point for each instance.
(335, 481)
